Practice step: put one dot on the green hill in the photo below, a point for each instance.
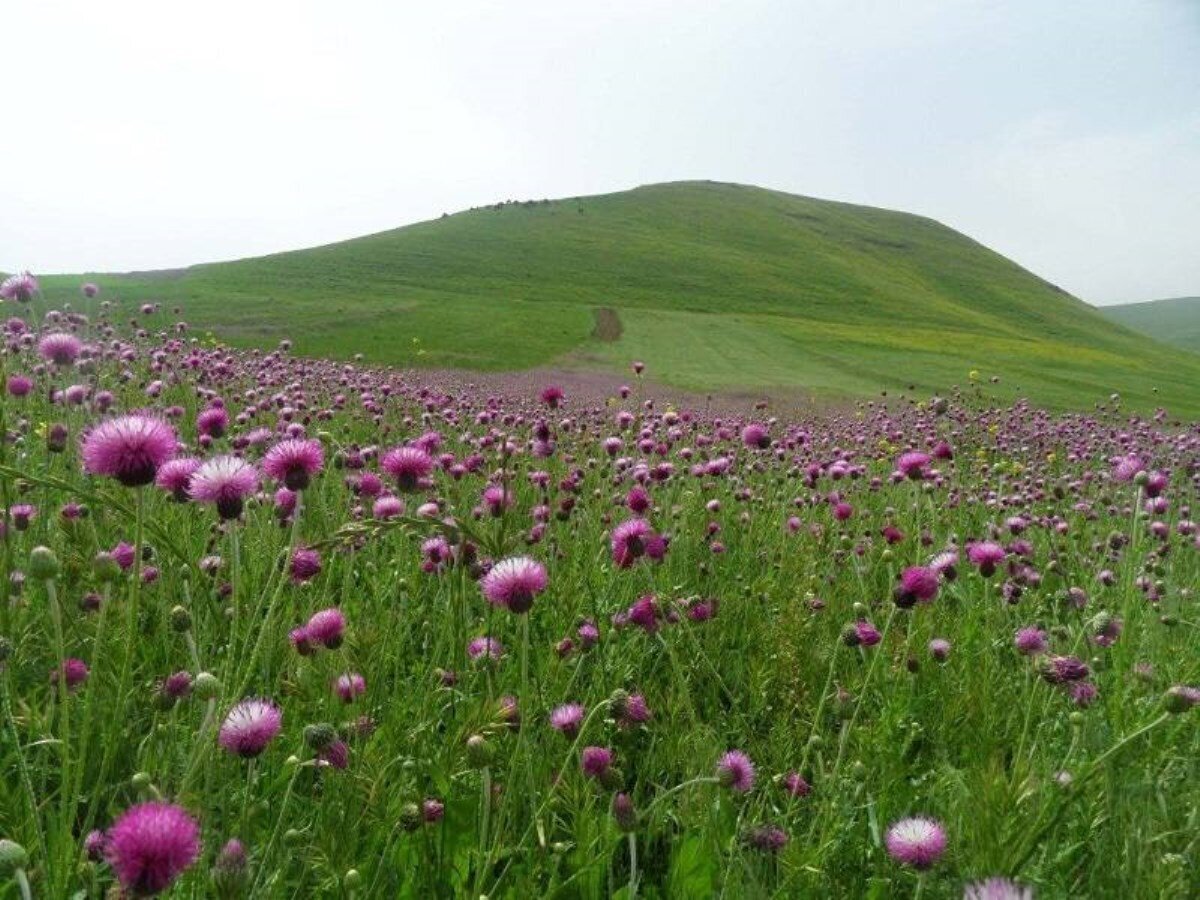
(715, 286)
(1174, 321)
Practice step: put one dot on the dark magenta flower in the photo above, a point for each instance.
(150, 845)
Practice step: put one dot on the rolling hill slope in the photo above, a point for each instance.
(1174, 321)
(716, 286)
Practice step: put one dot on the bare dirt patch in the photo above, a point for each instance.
(608, 326)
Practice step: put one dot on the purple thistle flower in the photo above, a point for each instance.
(513, 583)
(766, 838)
(250, 726)
(485, 648)
(912, 465)
(20, 287)
(917, 584)
(1061, 669)
(294, 462)
(629, 541)
(212, 422)
(349, 686)
(567, 719)
(596, 761)
(796, 785)
(1030, 641)
(736, 771)
(327, 627)
(409, 466)
(939, 649)
(60, 349)
(997, 889)
(224, 482)
(305, 565)
(918, 842)
(175, 475)
(985, 555)
(130, 449)
(150, 845)
(73, 672)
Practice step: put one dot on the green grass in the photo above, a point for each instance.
(716, 285)
(1173, 321)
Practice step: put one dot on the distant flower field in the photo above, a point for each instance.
(286, 627)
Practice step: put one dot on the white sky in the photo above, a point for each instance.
(154, 134)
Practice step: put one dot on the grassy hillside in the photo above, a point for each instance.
(716, 286)
(1174, 321)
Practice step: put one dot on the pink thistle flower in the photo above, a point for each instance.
(335, 755)
(552, 396)
(250, 726)
(19, 385)
(629, 541)
(736, 771)
(485, 648)
(387, 507)
(60, 349)
(939, 649)
(20, 287)
(918, 584)
(985, 555)
(1062, 669)
(130, 449)
(175, 475)
(567, 719)
(795, 784)
(596, 761)
(755, 436)
(997, 889)
(89, 289)
(513, 583)
(73, 672)
(301, 641)
(305, 565)
(766, 838)
(212, 421)
(918, 842)
(912, 465)
(294, 462)
(327, 627)
(150, 845)
(409, 466)
(225, 482)
(433, 811)
(1030, 641)
(350, 686)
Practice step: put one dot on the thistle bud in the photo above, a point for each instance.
(479, 751)
(231, 870)
(181, 619)
(410, 817)
(43, 564)
(12, 857)
(624, 813)
(206, 686)
(320, 735)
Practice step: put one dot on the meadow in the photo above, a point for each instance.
(281, 626)
(725, 287)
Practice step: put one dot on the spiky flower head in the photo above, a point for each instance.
(150, 845)
(294, 462)
(514, 583)
(997, 889)
(224, 481)
(735, 770)
(59, 348)
(20, 287)
(409, 466)
(567, 719)
(917, 841)
(130, 449)
(250, 726)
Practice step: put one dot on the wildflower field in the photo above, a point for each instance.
(285, 627)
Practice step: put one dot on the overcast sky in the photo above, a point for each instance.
(1066, 135)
